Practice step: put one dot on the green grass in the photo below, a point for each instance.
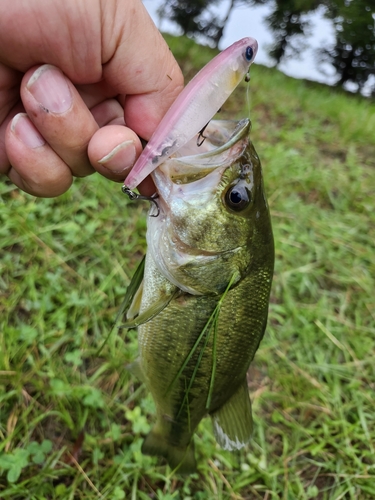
(72, 421)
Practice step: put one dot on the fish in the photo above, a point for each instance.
(201, 308)
(199, 101)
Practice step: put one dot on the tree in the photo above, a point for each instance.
(289, 24)
(186, 14)
(352, 55)
(198, 18)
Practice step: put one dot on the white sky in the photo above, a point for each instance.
(249, 21)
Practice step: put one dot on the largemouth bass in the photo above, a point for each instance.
(202, 307)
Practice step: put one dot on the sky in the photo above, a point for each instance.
(249, 21)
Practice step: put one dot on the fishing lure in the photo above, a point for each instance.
(194, 107)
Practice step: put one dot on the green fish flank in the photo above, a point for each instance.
(211, 326)
(203, 301)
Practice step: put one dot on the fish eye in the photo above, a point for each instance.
(249, 53)
(238, 197)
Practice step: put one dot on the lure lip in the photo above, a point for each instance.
(193, 105)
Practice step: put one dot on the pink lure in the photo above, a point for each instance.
(195, 106)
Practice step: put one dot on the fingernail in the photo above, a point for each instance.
(120, 158)
(25, 131)
(49, 87)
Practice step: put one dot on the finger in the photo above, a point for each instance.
(36, 168)
(9, 106)
(147, 187)
(9, 95)
(4, 159)
(113, 150)
(60, 115)
(108, 112)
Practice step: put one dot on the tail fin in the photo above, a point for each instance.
(180, 459)
(233, 422)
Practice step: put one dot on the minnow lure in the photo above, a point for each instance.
(194, 107)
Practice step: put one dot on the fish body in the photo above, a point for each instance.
(205, 293)
(200, 100)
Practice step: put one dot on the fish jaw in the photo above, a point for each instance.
(200, 100)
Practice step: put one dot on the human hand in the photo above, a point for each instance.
(80, 70)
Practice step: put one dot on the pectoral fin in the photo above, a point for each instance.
(154, 309)
(131, 292)
(135, 306)
(233, 422)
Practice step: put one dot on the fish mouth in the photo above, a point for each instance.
(223, 142)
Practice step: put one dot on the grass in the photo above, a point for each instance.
(72, 420)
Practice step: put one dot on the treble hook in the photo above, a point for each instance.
(201, 138)
(135, 196)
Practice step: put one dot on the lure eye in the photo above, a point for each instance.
(249, 53)
(238, 197)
